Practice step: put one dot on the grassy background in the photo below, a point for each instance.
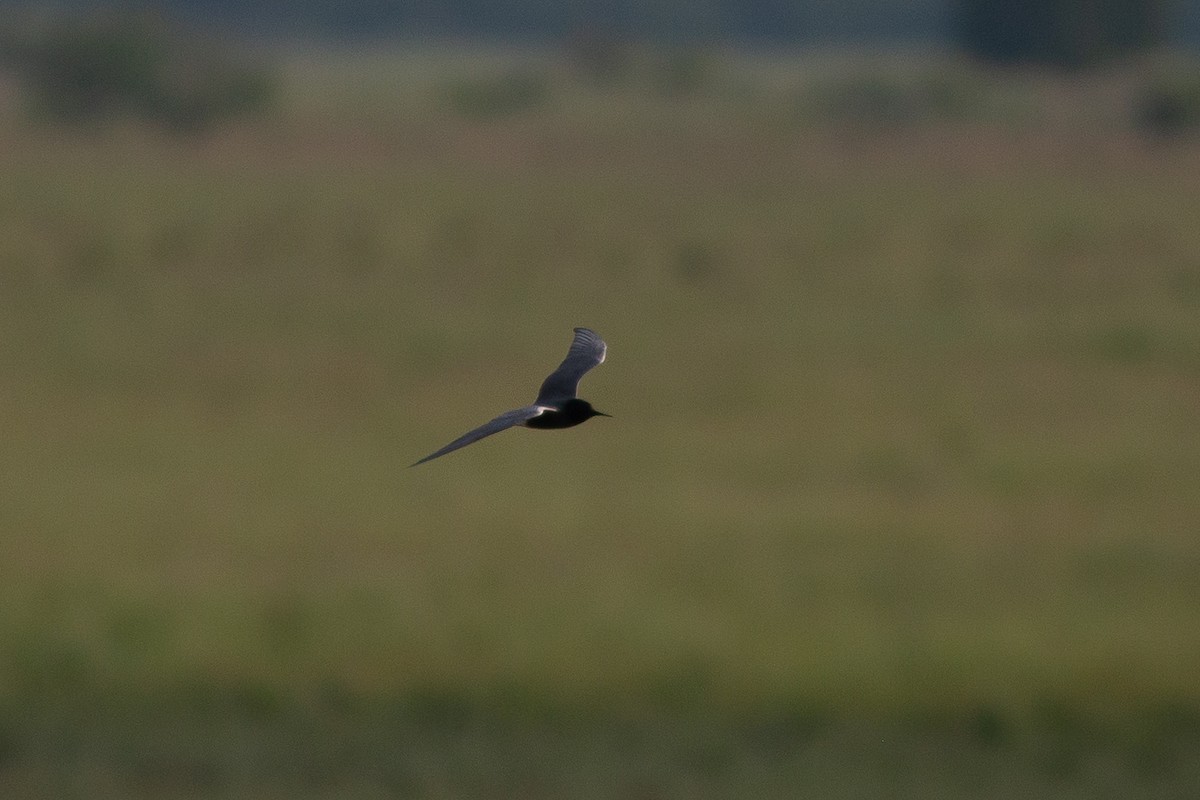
(899, 498)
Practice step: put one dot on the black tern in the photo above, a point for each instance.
(556, 405)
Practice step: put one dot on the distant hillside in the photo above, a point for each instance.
(755, 20)
(767, 21)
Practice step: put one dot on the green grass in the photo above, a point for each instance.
(899, 499)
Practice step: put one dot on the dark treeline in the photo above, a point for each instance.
(1067, 33)
(1055, 31)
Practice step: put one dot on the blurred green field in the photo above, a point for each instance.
(900, 497)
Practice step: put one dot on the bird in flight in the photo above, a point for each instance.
(556, 405)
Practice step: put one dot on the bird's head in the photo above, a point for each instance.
(582, 409)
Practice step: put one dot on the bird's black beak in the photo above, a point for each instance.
(602, 414)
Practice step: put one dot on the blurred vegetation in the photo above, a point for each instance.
(1167, 103)
(898, 500)
(97, 66)
(585, 66)
(511, 93)
(880, 96)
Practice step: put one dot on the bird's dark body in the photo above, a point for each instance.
(556, 406)
(571, 413)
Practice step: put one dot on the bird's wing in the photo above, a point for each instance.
(587, 351)
(503, 422)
